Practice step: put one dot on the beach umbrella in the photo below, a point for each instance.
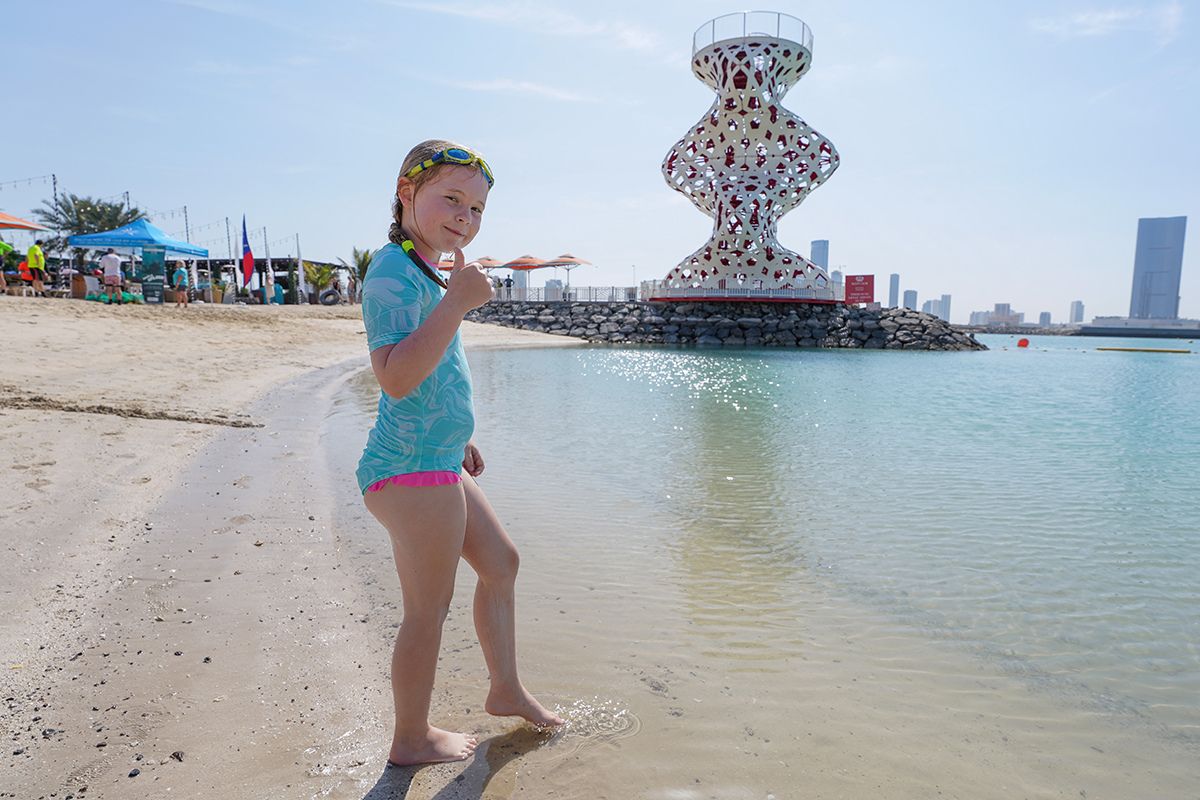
(487, 262)
(9, 222)
(567, 262)
(523, 262)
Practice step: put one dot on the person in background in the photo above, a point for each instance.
(180, 281)
(5, 249)
(110, 263)
(36, 260)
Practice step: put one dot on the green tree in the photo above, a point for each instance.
(360, 260)
(71, 215)
(319, 276)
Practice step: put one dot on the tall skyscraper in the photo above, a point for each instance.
(910, 298)
(1044, 319)
(838, 281)
(1003, 314)
(894, 290)
(1076, 311)
(945, 308)
(820, 253)
(1157, 265)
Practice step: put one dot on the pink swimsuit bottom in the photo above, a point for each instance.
(442, 477)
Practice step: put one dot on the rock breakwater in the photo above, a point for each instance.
(732, 324)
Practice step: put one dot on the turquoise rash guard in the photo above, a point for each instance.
(427, 429)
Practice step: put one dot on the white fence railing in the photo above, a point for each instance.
(744, 24)
(568, 294)
(659, 290)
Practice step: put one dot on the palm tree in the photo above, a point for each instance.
(361, 260)
(319, 276)
(71, 215)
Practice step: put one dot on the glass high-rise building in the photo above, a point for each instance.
(933, 307)
(1044, 319)
(820, 253)
(894, 290)
(1157, 265)
(910, 298)
(945, 308)
(1076, 311)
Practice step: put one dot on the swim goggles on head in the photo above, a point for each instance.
(454, 155)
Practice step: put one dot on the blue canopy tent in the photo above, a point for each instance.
(136, 235)
(154, 245)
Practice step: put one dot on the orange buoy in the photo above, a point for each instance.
(1023, 343)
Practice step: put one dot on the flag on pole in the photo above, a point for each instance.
(247, 256)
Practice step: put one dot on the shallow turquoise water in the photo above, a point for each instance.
(1039, 508)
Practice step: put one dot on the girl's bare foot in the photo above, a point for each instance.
(520, 703)
(436, 746)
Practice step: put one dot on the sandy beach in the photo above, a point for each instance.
(102, 411)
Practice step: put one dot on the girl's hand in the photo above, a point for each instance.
(472, 460)
(468, 285)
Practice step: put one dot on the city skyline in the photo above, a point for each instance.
(266, 98)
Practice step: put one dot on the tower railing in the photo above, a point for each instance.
(746, 24)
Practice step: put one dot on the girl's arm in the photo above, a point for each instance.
(400, 368)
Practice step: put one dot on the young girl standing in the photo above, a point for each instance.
(411, 472)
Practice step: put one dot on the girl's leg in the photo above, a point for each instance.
(426, 525)
(492, 554)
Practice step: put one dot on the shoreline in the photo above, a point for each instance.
(103, 419)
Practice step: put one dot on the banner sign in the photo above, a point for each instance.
(860, 289)
(153, 273)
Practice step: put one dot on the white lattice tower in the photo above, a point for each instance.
(749, 160)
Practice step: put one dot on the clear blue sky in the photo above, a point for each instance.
(998, 152)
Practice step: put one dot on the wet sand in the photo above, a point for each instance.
(106, 417)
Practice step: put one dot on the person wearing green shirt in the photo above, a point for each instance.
(5, 249)
(36, 260)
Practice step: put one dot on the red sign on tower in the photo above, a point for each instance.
(860, 288)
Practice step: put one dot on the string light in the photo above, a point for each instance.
(169, 214)
(44, 179)
(203, 227)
